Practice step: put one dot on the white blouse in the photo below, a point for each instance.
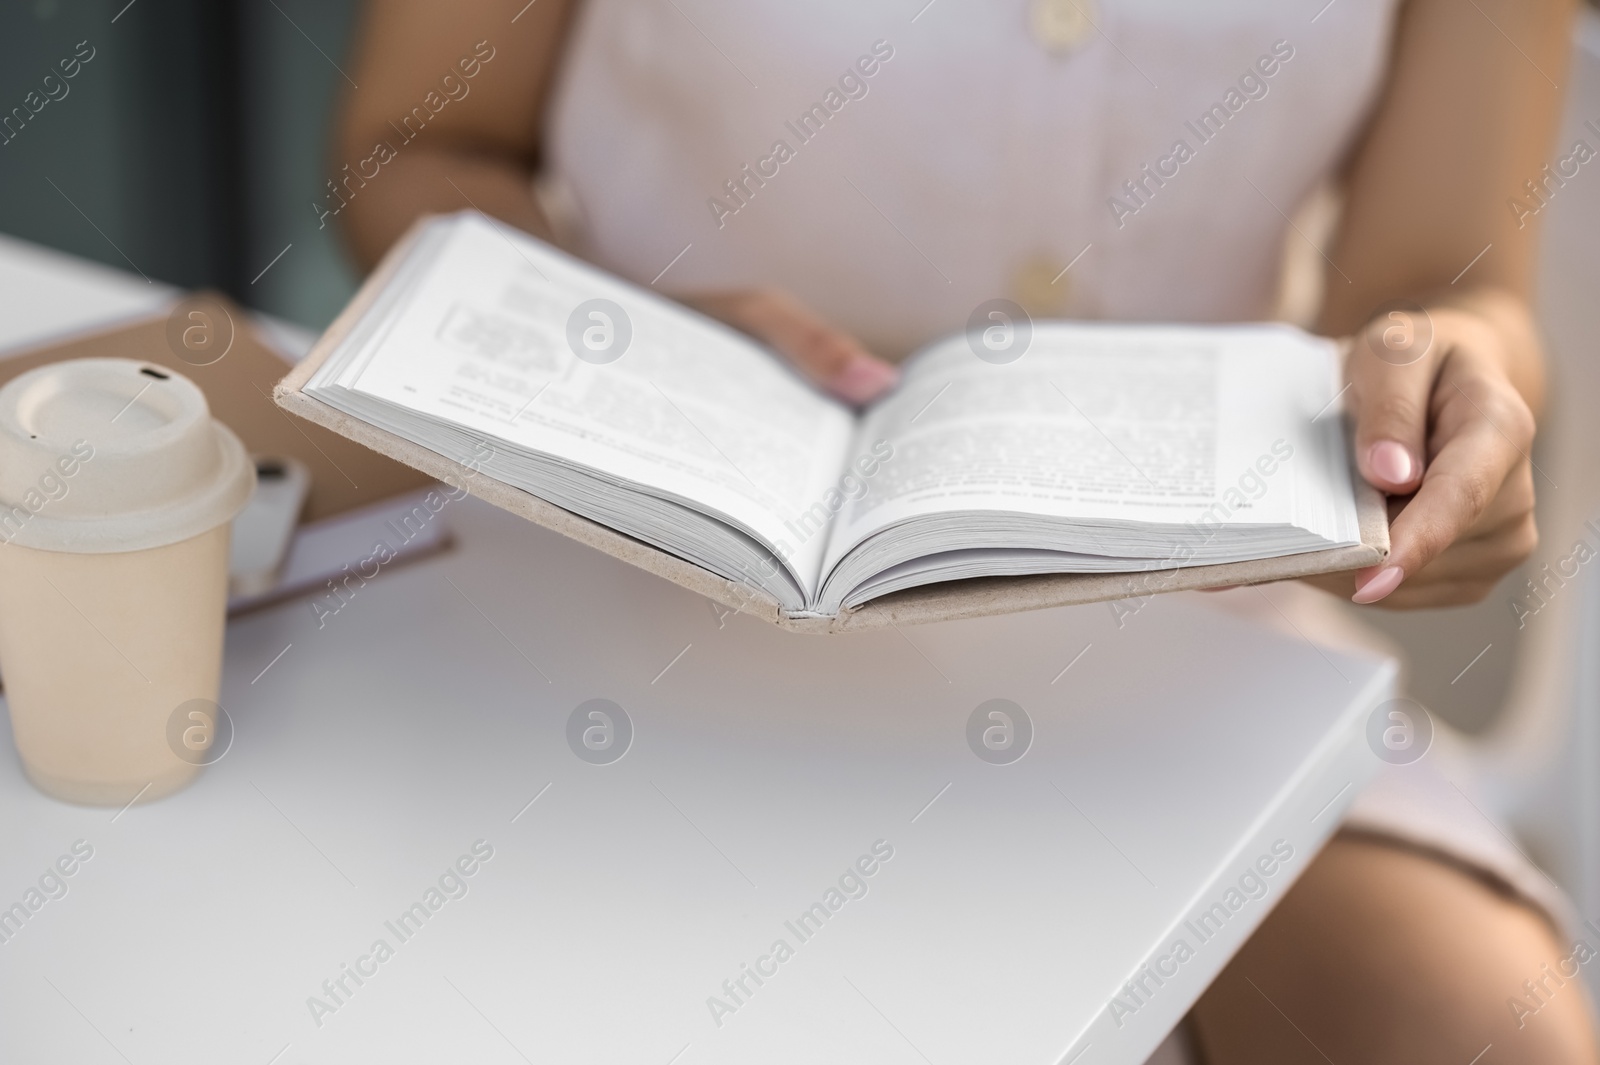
(895, 167)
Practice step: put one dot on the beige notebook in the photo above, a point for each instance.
(1018, 465)
(237, 382)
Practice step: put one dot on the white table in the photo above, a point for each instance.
(432, 710)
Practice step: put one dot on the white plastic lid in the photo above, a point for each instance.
(103, 455)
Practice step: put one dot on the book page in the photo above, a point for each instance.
(489, 336)
(1115, 425)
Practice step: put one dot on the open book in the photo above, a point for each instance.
(1106, 461)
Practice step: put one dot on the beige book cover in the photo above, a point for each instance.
(974, 597)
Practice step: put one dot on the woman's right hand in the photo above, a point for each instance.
(835, 360)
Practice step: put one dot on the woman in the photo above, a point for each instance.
(846, 181)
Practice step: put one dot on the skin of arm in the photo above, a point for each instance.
(480, 151)
(1468, 116)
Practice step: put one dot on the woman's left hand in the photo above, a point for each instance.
(1446, 434)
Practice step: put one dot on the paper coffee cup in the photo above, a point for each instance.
(116, 490)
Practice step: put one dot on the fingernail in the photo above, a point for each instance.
(1382, 583)
(1391, 461)
(863, 380)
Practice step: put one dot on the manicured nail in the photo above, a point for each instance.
(1381, 584)
(1391, 461)
(863, 380)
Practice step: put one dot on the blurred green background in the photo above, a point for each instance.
(191, 146)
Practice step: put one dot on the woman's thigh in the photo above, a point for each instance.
(1380, 954)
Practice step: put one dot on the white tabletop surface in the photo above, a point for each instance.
(47, 294)
(376, 746)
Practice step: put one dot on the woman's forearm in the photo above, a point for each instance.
(1509, 329)
(496, 59)
(424, 181)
